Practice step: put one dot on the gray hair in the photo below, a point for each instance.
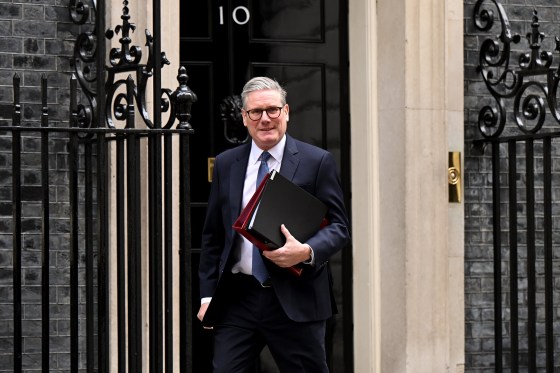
(261, 83)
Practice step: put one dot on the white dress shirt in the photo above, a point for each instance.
(243, 262)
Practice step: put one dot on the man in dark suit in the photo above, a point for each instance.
(251, 300)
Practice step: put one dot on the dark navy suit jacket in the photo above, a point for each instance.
(304, 298)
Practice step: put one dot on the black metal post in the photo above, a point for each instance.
(121, 255)
(497, 255)
(73, 166)
(168, 250)
(102, 192)
(156, 19)
(548, 255)
(134, 240)
(155, 253)
(531, 257)
(45, 234)
(185, 270)
(156, 298)
(513, 291)
(182, 99)
(16, 216)
(89, 239)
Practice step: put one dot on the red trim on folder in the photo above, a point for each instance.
(240, 224)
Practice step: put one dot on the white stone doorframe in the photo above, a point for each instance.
(406, 102)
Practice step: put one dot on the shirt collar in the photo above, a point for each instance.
(277, 151)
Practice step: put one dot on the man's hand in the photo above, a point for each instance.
(292, 253)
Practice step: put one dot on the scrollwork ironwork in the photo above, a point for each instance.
(84, 62)
(532, 85)
(79, 12)
(127, 55)
(125, 59)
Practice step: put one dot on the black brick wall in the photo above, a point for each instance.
(479, 282)
(36, 39)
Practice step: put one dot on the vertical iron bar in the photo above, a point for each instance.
(548, 257)
(185, 265)
(90, 315)
(531, 258)
(45, 235)
(102, 194)
(103, 355)
(497, 255)
(155, 198)
(73, 119)
(513, 265)
(133, 250)
(156, 6)
(121, 255)
(168, 249)
(156, 298)
(134, 240)
(16, 216)
(73, 159)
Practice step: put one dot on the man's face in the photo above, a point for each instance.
(266, 132)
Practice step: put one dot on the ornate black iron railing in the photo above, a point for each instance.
(110, 130)
(523, 167)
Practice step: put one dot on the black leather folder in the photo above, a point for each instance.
(278, 201)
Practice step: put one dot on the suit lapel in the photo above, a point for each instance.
(290, 159)
(290, 162)
(237, 179)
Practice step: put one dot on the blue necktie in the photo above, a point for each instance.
(259, 270)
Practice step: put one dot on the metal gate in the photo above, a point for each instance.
(124, 172)
(525, 192)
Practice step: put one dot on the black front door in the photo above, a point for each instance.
(303, 45)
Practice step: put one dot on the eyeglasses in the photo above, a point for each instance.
(272, 112)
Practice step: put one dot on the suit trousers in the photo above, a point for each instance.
(252, 318)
